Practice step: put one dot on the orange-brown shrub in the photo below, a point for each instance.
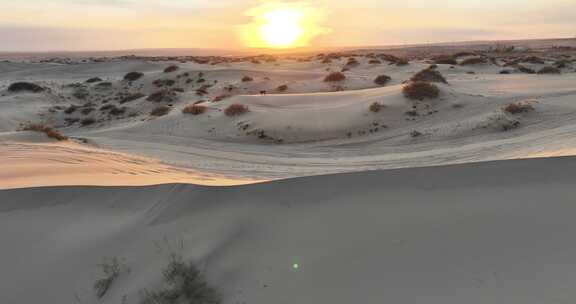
(195, 109)
(282, 88)
(236, 110)
(429, 74)
(473, 60)
(49, 131)
(172, 68)
(334, 77)
(519, 107)
(247, 79)
(419, 90)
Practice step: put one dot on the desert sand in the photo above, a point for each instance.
(288, 188)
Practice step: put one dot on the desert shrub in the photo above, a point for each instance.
(162, 96)
(524, 69)
(402, 62)
(463, 54)
(247, 79)
(49, 131)
(282, 88)
(25, 87)
(444, 59)
(81, 93)
(327, 60)
(183, 283)
(382, 80)
(419, 90)
(130, 97)
(473, 60)
(549, 70)
(334, 77)
(505, 72)
(519, 107)
(415, 134)
(429, 74)
(160, 111)
(374, 61)
(352, 62)
(116, 111)
(195, 109)
(236, 109)
(93, 80)
(111, 269)
(104, 85)
(532, 59)
(87, 121)
(133, 76)
(172, 68)
(376, 107)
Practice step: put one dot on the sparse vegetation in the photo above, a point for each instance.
(87, 121)
(335, 77)
(382, 80)
(376, 107)
(445, 59)
(183, 283)
(473, 60)
(195, 109)
(282, 88)
(247, 79)
(160, 111)
(420, 90)
(236, 110)
(549, 70)
(429, 74)
(519, 107)
(42, 128)
(133, 76)
(93, 80)
(171, 69)
(111, 269)
(25, 87)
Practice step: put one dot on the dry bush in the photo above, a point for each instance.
(374, 61)
(335, 77)
(533, 60)
(93, 80)
(195, 109)
(549, 70)
(49, 131)
(183, 283)
(444, 59)
(172, 68)
(463, 54)
(419, 90)
(87, 121)
(160, 111)
(376, 107)
(25, 87)
(524, 69)
(247, 79)
(382, 80)
(71, 109)
(429, 74)
(162, 96)
(111, 269)
(282, 88)
(133, 76)
(473, 60)
(236, 110)
(519, 107)
(130, 97)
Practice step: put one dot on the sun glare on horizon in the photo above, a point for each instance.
(281, 25)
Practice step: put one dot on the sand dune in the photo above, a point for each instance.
(477, 233)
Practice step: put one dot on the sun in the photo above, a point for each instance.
(282, 25)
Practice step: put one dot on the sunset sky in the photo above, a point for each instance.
(38, 25)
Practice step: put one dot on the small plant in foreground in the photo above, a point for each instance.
(183, 283)
(236, 110)
(111, 269)
(49, 131)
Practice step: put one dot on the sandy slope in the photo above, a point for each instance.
(479, 233)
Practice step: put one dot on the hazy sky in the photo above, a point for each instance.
(37, 25)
